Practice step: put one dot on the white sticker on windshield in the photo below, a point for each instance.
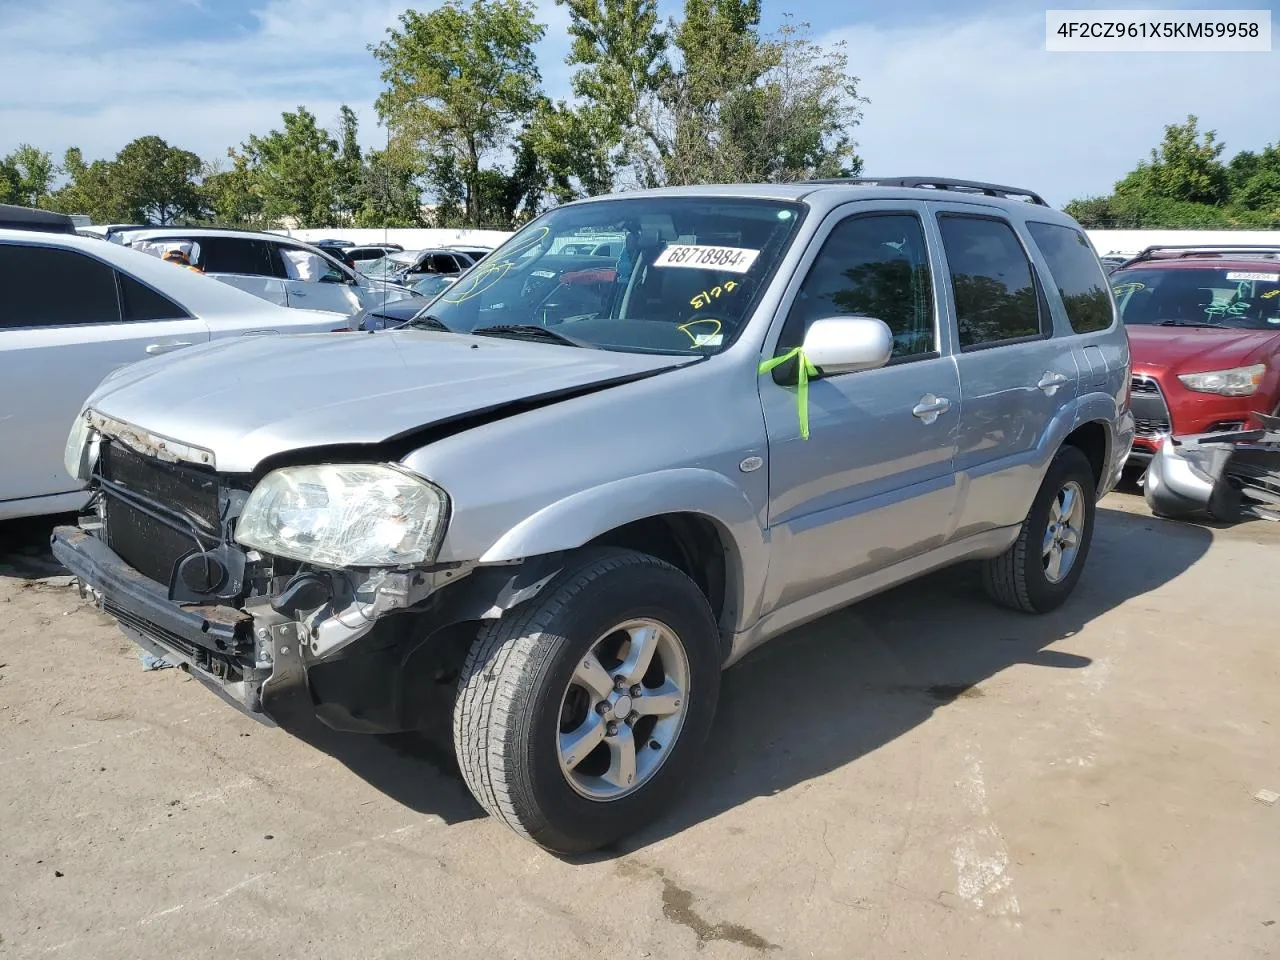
(708, 340)
(730, 259)
(1264, 277)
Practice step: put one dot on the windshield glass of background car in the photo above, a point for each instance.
(1246, 299)
(651, 274)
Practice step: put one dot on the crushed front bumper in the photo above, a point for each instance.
(1228, 476)
(262, 673)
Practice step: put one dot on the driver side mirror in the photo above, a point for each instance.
(848, 344)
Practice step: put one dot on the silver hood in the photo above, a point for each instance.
(248, 399)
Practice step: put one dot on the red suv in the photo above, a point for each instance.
(1204, 333)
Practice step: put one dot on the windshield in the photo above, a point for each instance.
(384, 267)
(1200, 297)
(650, 274)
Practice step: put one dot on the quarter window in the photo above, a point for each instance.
(995, 295)
(1077, 274)
(140, 302)
(48, 287)
(871, 266)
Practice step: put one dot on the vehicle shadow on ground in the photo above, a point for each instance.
(815, 699)
(824, 695)
(24, 547)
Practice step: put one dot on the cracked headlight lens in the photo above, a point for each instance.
(345, 515)
(1236, 382)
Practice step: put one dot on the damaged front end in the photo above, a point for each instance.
(1228, 476)
(312, 592)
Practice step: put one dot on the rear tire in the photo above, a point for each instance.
(1039, 571)
(542, 723)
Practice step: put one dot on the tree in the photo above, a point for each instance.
(295, 171)
(231, 196)
(29, 174)
(737, 108)
(91, 189)
(793, 121)
(461, 81)
(156, 182)
(1185, 185)
(386, 193)
(349, 167)
(9, 177)
(621, 50)
(1186, 167)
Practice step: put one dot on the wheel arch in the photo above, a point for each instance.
(696, 519)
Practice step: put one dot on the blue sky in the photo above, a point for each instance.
(962, 89)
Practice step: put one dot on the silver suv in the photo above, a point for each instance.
(589, 476)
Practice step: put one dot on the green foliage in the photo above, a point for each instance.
(232, 196)
(156, 182)
(26, 176)
(460, 80)
(386, 193)
(1185, 185)
(703, 98)
(149, 181)
(739, 108)
(295, 171)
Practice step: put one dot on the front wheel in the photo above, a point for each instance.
(580, 714)
(1039, 571)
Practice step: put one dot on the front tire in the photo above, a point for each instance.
(580, 714)
(1039, 571)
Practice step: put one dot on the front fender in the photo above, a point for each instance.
(581, 517)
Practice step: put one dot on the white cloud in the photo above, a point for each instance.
(93, 74)
(961, 94)
(983, 100)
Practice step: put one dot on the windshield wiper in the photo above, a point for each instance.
(1186, 323)
(427, 322)
(528, 331)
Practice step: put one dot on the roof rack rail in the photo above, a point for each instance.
(1181, 251)
(28, 218)
(943, 183)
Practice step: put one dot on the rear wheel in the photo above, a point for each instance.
(1039, 571)
(580, 714)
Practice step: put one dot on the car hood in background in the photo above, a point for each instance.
(247, 400)
(1197, 349)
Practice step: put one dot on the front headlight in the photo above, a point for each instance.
(345, 515)
(1236, 382)
(81, 450)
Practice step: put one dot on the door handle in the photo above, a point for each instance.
(258, 333)
(154, 348)
(297, 293)
(1051, 381)
(930, 407)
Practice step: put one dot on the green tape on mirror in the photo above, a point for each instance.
(805, 370)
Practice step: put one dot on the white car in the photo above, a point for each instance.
(284, 271)
(73, 310)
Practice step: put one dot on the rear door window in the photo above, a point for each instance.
(1077, 274)
(237, 255)
(49, 287)
(995, 294)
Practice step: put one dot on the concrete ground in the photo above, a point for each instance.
(920, 776)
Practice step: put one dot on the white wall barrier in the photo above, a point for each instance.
(1129, 242)
(409, 238)
(1106, 241)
